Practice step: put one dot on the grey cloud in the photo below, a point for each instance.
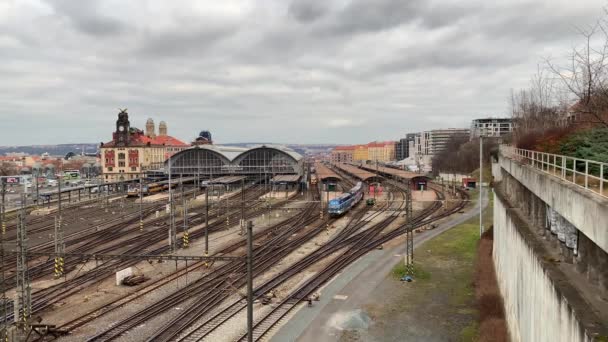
(371, 16)
(306, 11)
(250, 72)
(87, 18)
(183, 43)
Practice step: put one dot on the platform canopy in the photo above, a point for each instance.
(325, 174)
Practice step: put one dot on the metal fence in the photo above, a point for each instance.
(589, 174)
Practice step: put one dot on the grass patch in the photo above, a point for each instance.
(420, 274)
(470, 332)
(442, 295)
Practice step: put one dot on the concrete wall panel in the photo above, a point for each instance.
(585, 210)
(535, 309)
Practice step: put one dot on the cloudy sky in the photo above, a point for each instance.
(327, 71)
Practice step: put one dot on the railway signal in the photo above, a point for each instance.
(185, 240)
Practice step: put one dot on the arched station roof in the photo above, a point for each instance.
(214, 159)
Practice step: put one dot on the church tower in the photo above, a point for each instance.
(150, 130)
(162, 129)
(122, 128)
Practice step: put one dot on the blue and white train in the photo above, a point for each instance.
(342, 204)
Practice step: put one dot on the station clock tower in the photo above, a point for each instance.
(122, 128)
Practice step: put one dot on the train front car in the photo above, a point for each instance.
(133, 191)
(339, 205)
(345, 202)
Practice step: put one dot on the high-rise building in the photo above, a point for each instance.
(402, 147)
(491, 127)
(430, 143)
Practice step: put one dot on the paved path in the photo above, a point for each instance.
(342, 299)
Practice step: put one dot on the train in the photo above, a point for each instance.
(345, 202)
(147, 189)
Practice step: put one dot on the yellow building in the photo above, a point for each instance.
(389, 151)
(361, 153)
(383, 151)
(131, 151)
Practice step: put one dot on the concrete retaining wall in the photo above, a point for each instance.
(579, 206)
(536, 310)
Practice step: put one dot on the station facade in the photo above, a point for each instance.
(212, 161)
(132, 151)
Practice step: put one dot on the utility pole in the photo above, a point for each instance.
(207, 220)
(250, 281)
(227, 209)
(23, 302)
(58, 238)
(243, 206)
(409, 233)
(320, 185)
(185, 237)
(37, 189)
(3, 208)
(141, 200)
(480, 185)
(172, 233)
(376, 186)
(3, 300)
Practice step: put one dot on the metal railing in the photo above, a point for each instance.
(589, 174)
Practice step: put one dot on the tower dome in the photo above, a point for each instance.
(162, 129)
(150, 131)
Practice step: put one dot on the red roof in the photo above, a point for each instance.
(139, 139)
(344, 148)
(380, 143)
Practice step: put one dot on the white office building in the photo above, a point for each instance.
(491, 127)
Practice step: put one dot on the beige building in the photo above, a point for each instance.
(132, 151)
(342, 154)
(381, 151)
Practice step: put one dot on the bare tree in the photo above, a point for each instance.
(586, 75)
(537, 108)
(8, 169)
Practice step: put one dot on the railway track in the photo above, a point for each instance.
(211, 289)
(69, 326)
(44, 298)
(359, 245)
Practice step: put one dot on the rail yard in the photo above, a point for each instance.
(184, 245)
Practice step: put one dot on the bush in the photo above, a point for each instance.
(591, 144)
(545, 141)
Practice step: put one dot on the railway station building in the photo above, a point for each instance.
(132, 151)
(212, 161)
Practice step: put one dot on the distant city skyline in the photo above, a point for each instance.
(300, 71)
